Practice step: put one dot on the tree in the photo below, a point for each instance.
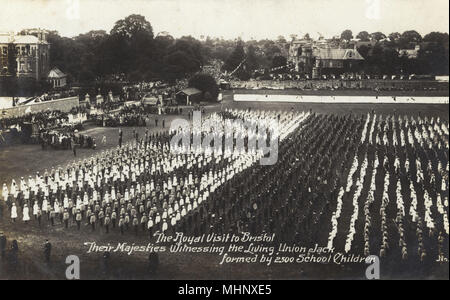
(243, 74)
(346, 35)
(164, 41)
(377, 36)
(394, 36)
(437, 37)
(235, 58)
(192, 47)
(119, 55)
(434, 55)
(131, 45)
(132, 26)
(434, 59)
(92, 57)
(374, 60)
(252, 60)
(364, 50)
(394, 39)
(270, 49)
(363, 36)
(281, 39)
(390, 62)
(183, 62)
(207, 85)
(278, 61)
(409, 39)
(184, 56)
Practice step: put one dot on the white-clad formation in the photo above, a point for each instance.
(413, 196)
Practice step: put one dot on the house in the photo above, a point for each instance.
(24, 55)
(189, 96)
(314, 59)
(57, 78)
(336, 61)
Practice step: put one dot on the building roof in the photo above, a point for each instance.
(19, 39)
(25, 39)
(190, 91)
(56, 73)
(338, 54)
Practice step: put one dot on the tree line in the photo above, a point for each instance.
(382, 54)
(132, 52)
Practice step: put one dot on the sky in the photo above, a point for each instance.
(230, 19)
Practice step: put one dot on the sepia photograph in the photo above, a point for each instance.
(201, 142)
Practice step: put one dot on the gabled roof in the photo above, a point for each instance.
(190, 91)
(338, 54)
(25, 39)
(18, 39)
(56, 73)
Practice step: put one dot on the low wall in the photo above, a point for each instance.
(64, 105)
(338, 99)
(342, 84)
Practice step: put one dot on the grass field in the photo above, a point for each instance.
(23, 160)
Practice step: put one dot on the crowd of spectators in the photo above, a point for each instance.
(50, 129)
(43, 119)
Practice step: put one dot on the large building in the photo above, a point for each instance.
(26, 55)
(317, 58)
